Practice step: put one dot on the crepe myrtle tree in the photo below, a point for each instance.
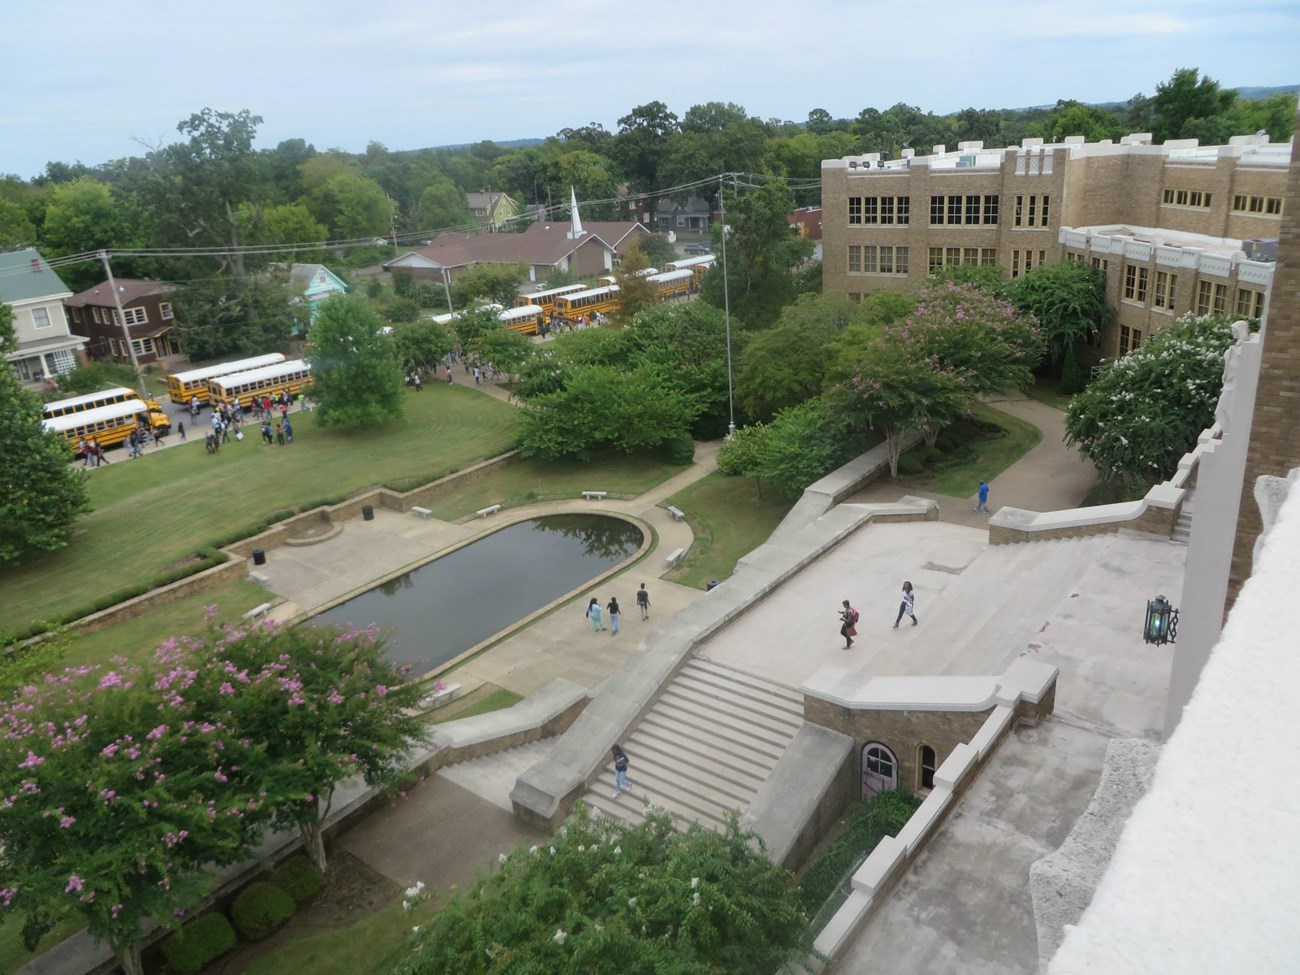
(323, 705)
(118, 790)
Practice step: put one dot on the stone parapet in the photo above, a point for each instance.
(1155, 514)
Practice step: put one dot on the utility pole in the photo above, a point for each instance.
(126, 329)
(726, 308)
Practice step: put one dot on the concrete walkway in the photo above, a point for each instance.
(1050, 477)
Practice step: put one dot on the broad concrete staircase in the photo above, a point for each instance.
(707, 744)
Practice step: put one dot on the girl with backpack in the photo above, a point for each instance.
(848, 624)
(621, 782)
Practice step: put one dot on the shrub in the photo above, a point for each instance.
(947, 443)
(1073, 378)
(261, 910)
(964, 431)
(909, 465)
(881, 816)
(679, 450)
(955, 458)
(929, 455)
(299, 878)
(198, 944)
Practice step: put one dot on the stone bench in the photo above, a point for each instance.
(261, 578)
(422, 512)
(439, 697)
(675, 556)
(489, 510)
(677, 513)
(257, 611)
(595, 495)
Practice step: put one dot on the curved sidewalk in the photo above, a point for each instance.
(1052, 476)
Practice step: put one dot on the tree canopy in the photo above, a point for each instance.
(357, 380)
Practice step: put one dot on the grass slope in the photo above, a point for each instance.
(729, 520)
(154, 514)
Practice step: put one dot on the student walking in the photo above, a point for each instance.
(908, 605)
(288, 431)
(180, 428)
(279, 433)
(593, 614)
(643, 602)
(448, 374)
(621, 782)
(613, 615)
(983, 495)
(848, 624)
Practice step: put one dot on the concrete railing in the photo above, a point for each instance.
(1154, 514)
(1027, 690)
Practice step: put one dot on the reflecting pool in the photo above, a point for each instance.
(440, 610)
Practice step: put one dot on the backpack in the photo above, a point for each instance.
(620, 762)
(855, 617)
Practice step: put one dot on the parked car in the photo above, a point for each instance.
(697, 249)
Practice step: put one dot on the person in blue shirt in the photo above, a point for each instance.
(983, 497)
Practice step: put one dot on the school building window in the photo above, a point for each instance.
(1101, 264)
(1250, 304)
(855, 258)
(1032, 211)
(940, 257)
(884, 259)
(1186, 198)
(1024, 261)
(1129, 339)
(1135, 283)
(1267, 205)
(969, 210)
(1211, 298)
(1166, 284)
(879, 210)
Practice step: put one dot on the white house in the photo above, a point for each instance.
(46, 346)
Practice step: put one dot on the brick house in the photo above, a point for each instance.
(46, 346)
(147, 308)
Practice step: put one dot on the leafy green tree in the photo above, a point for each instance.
(323, 705)
(1274, 115)
(227, 316)
(1146, 409)
(820, 121)
(800, 156)
(498, 283)
(890, 390)
(636, 292)
(506, 349)
(802, 444)
(549, 370)
(475, 322)
(85, 215)
(688, 342)
(422, 345)
(356, 376)
(608, 899)
(1188, 97)
(599, 406)
(974, 333)
(657, 250)
(786, 364)
(291, 223)
(989, 278)
(16, 229)
(353, 207)
(641, 141)
(594, 178)
(41, 493)
(762, 254)
(441, 204)
(1067, 299)
(123, 791)
(1070, 117)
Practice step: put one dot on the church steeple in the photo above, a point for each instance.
(575, 229)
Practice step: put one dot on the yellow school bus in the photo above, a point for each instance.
(289, 377)
(523, 318)
(114, 396)
(593, 302)
(193, 383)
(546, 299)
(674, 284)
(106, 425)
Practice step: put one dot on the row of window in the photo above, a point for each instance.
(133, 316)
(970, 210)
(1186, 198)
(1022, 262)
(877, 210)
(941, 257)
(1271, 205)
(62, 361)
(117, 347)
(870, 259)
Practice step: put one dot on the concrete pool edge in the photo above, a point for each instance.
(649, 541)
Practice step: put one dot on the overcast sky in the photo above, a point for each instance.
(91, 81)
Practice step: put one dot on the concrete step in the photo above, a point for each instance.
(780, 695)
(740, 699)
(686, 694)
(683, 770)
(662, 736)
(684, 805)
(719, 728)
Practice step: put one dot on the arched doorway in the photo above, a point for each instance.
(925, 766)
(879, 769)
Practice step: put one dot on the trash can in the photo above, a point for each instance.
(712, 584)
(367, 512)
(259, 556)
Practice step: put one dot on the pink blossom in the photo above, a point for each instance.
(220, 776)
(109, 751)
(7, 895)
(157, 733)
(75, 885)
(108, 795)
(111, 679)
(67, 821)
(227, 688)
(32, 761)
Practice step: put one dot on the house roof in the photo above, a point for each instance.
(24, 276)
(484, 201)
(694, 204)
(612, 232)
(302, 275)
(129, 290)
(539, 245)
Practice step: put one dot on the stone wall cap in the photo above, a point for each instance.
(902, 693)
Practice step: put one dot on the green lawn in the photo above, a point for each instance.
(729, 520)
(990, 459)
(136, 639)
(1048, 391)
(481, 701)
(537, 480)
(151, 515)
(12, 953)
(372, 945)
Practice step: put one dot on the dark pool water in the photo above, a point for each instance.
(444, 607)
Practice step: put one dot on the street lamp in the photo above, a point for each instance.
(1161, 623)
(726, 310)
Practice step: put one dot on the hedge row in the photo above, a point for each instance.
(260, 910)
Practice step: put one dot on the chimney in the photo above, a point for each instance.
(36, 265)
